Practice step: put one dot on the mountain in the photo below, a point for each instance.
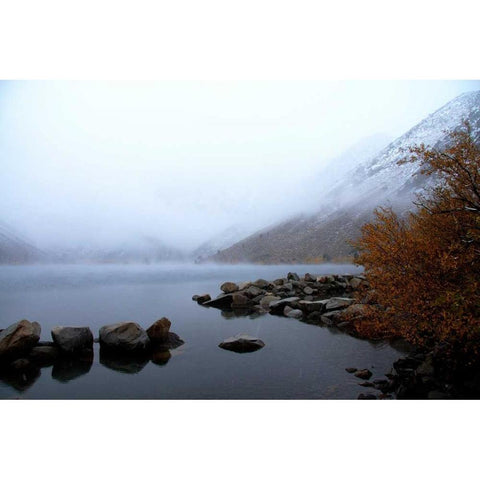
(349, 202)
(15, 249)
(143, 250)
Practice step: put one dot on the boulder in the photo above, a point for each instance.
(201, 299)
(309, 306)
(309, 278)
(19, 338)
(293, 276)
(279, 281)
(253, 291)
(244, 285)
(261, 283)
(332, 318)
(242, 343)
(276, 308)
(355, 282)
(314, 318)
(158, 332)
(268, 299)
(222, 301)
(338, 303)
(351, 369)
(308, 291)
(172, 341)
(229, 287)
(239, 300)
(127, 337)
(70, 340)
(294, 314)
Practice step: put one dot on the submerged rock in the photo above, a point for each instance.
(71, 340)
(363, 374)
(242, 343)
(127, 337)
(19, 338)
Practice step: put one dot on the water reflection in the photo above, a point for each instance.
(66, 369)
(161, 357)
(123, 363)
(20, 375)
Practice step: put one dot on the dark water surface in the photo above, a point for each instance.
(298, 361)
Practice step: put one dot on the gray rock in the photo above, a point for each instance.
(268, 299)
(308, 291)
(126, 337)
(242, 343)
(239, 300)
(261, 283)
(337, 303)
(293, 276)
(222, 301)
(19, 338)
(426, 369)
(229, 287)
(309, 306)
(254, 291)
(294, 314)
(276, 308)
(201, 299)
(355, 282)
(72, 339)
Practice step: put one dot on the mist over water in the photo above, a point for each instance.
(119, 165)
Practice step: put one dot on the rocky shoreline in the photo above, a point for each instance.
(339, 301)
(125, 347)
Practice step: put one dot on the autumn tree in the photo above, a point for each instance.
(424, 267)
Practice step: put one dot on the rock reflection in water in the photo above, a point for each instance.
(123, 362)
(66, 369)
(238, 312)
(20, 374)
(161, 357)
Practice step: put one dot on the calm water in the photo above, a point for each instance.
(298, 361)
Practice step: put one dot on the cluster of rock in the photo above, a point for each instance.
(122, 345)
(314, 299)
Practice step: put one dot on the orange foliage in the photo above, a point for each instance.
(424, 269)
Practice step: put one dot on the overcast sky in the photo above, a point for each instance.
(101, 163)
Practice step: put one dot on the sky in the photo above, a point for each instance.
(100, 164)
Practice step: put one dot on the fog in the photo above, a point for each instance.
(102, 164)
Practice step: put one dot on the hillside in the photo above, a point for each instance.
(14, 249)
(350, 201)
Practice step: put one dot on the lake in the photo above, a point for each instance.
(299, 361)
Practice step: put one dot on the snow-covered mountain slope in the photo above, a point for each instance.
(350, 201)
(15, 249)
